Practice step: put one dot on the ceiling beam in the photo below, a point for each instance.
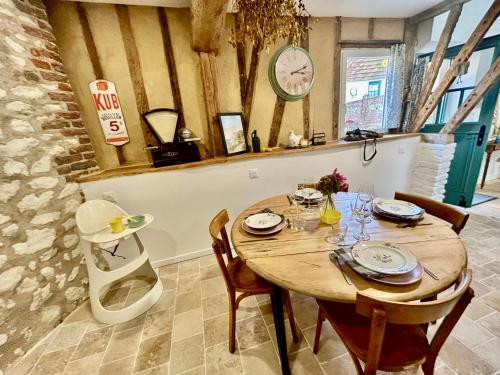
(436, 10)
(207, 23)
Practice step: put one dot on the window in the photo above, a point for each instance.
(363, 88)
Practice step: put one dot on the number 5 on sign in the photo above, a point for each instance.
(109, 111)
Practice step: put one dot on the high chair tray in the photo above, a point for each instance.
(105, 235)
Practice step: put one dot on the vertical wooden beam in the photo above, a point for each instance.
(306, 102)
(211, 96)
(438, 56)
(488, 80)
(469, 47)
(242, 68)
(279, 108)
(371, 26)
(172, 70)
(95, 62)
(207, 23)
(337, 35)
(134, 66)
(410, 41)
(250, 86)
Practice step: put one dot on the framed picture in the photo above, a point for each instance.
(233, 135)
(163, 122)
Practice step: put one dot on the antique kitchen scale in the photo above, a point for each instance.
(175, 146)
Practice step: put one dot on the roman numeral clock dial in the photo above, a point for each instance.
(291, 73)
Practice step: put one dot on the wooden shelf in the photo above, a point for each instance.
(146, 168)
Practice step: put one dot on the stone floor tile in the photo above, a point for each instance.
(479, 289)
(492, 299)
(188, 284)
(80, 314)
(220, 361)
(248, 307)
(216, 330)
(190, 267)
(153, 352)
(493, 266)
(210, 271)
(168, 270)
(291, 345)
(492, 282)
(169, 282)
(166, 301)
(470, 333)
(139, 321)
(187, 324)
(124, 366)
(158, 322)
(263, 299)
(67, 336)
(215, 305)
(489, 351)
(491, 323)
(261, 359)
(305, 312)
(159, 370)
(135, 295)
(266, 311)
(115, 296)
(93, 342)
(187, 354)
(26, 364)
(188, 301)
(207, 260)
(339, 365)
(212, 287)
(123, 344)
(251, 332)
(477, 309)
(304, 363)
(53, 363)
(195, 371)
(330, 344)
(88, 365)
(462, 360)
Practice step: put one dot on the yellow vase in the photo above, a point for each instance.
(328, 213)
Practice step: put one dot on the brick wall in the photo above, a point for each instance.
(46, 69)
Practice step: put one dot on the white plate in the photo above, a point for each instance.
(397, 207)
(309, 193)
(263, 220)
(384, 257)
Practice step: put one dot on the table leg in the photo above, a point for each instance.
(486, 165)
(279, 325)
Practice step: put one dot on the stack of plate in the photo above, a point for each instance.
(263, 223)
(308, 196)
(386, 263)
(398, 210)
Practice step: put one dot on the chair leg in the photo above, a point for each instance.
(289, 311)
(232, 323)
(319, 325)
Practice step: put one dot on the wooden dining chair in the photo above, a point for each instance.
(390, 336)
(240, 278)
(453, 215)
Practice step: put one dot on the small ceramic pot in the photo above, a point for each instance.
(136, 221)
(116, 225)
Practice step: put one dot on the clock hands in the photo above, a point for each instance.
(299, 70)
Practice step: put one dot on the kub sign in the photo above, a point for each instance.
(109, 111)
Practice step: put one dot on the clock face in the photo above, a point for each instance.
(294, 71)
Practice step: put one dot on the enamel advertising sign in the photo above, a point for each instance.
(109, 111)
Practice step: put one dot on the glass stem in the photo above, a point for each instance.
(363, 226)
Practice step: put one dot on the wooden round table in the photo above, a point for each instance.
(299, 261)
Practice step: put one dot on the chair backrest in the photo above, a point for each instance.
(415, 313)
(94, 215)
(453, 215)
(220, 244)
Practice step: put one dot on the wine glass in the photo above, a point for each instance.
(362, 208)
(297, 197)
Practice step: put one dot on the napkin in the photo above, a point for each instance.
(347, 257)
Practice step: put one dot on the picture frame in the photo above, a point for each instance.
(163, 123)
(233, 133)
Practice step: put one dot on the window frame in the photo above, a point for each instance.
(354, 52)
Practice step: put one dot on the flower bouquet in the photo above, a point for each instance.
(329, 185)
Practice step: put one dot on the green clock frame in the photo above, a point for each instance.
(272, 75)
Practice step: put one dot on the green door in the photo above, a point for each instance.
(472, 135)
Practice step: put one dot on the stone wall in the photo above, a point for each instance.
(43, 148)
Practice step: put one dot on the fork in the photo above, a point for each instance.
(335, 256)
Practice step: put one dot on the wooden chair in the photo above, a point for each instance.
(391, 336)
(240, 278)
(453, 215)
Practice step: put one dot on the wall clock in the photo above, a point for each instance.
(291, 73)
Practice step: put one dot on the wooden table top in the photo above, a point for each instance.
(299, 261)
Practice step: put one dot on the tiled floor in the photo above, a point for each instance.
(186, 331)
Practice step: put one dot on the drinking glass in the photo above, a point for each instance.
(339, 237)
(309, 183)
(362, 208)
(296, 222)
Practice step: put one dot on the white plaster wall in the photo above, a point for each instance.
(184, 201)
(493, 169)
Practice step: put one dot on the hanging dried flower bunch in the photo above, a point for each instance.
(262, 22)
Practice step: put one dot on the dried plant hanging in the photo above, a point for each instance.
(262, 22)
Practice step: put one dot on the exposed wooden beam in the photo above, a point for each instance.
(211, 96)
(250, 86)
(382, 43)
(242, 63)
(95, 62)
(172, 70)
(134, 67)
(207, 23)
(371, 26)
(469, 47)
(410, 40)
(306, 102)
(279, 108)
(436, 10)
(488, 80)
(337, 35)
(438, 56)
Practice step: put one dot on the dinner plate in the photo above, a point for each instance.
(408, 278)
(265, 220)
(398, 217)
(309, 194)
(263, 232)
(384, 257)
(397, 207)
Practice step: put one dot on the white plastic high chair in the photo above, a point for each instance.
(92, 219)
